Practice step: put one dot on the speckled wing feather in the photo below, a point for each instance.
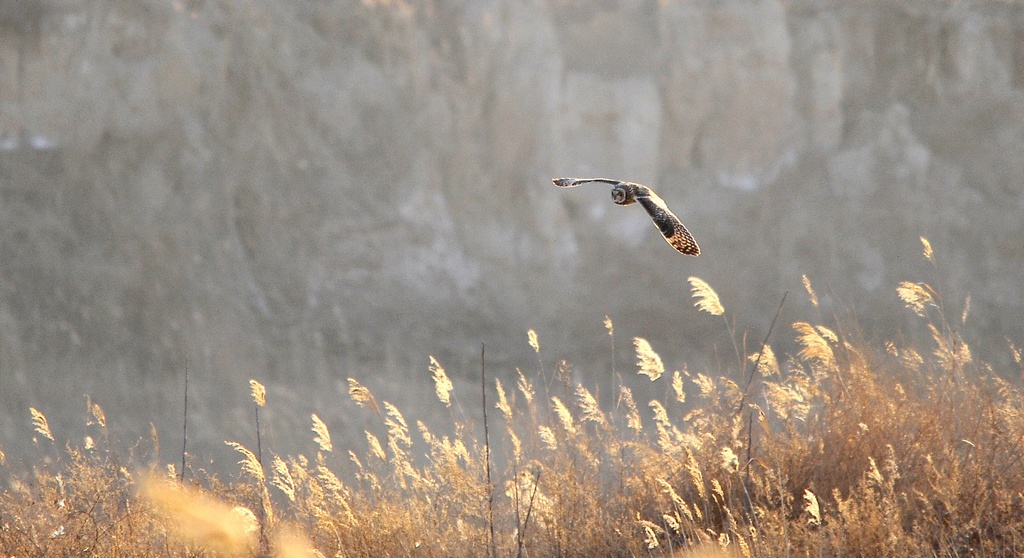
(669, 225)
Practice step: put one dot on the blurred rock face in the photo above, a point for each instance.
(302, 191)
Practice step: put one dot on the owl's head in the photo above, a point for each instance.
(622, 194)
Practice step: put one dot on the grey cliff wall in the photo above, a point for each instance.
(303, 191)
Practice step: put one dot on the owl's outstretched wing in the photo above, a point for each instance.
(669, 225)
(573, 182)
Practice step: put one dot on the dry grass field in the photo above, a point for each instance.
(840, 449)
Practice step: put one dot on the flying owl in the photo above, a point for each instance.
(625, 193)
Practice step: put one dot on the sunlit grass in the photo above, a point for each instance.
(841, 448)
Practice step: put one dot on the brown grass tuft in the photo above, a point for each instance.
(632, 414)
(648, 361)
(362, 396)
(707, 298)
(916, 296)
(815, 346)
(250, 464)
(928, 254)
(532, 338)
(810, 291)
(322, 435)
(442, 385)
(589, 410)
(96, 412)
(40, 425)
(258, 392)
(767, 363)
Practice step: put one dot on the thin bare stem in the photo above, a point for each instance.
(529, 511)
(263, 504)
(184, 428)
(487, 450)
(760, 353)
(611, 385)
(750, 380)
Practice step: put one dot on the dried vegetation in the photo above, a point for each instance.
(908, 449)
